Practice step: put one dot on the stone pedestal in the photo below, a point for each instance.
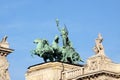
(51, 71)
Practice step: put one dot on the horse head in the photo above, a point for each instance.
(36, 41)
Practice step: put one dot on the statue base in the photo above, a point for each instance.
(98, 67)
(51, 71)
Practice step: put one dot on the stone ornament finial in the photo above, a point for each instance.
(4, 42)
(100, 37)
(4, 39)
(98, 48)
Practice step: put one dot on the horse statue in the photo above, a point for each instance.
(43, 49)
(54, 52)
(57, 50)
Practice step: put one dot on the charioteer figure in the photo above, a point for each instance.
(64, 34)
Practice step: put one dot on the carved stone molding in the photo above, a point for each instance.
(4, 51)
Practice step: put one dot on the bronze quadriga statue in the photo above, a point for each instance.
(54, 52)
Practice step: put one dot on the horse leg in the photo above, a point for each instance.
(51, 59)
(45, 59)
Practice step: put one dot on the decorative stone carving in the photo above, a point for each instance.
(4, 51)
(4, 42)
(98, 48)
(94, 65)
(4, 75)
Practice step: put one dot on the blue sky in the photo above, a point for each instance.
(25, 20)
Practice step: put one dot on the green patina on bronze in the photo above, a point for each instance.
(54, 52)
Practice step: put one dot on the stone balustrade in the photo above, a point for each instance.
(72, 73)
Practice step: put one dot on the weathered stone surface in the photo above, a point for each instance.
(98, 67)
(4, 42)
(4, 75)
(4, 51)
(51, 71)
